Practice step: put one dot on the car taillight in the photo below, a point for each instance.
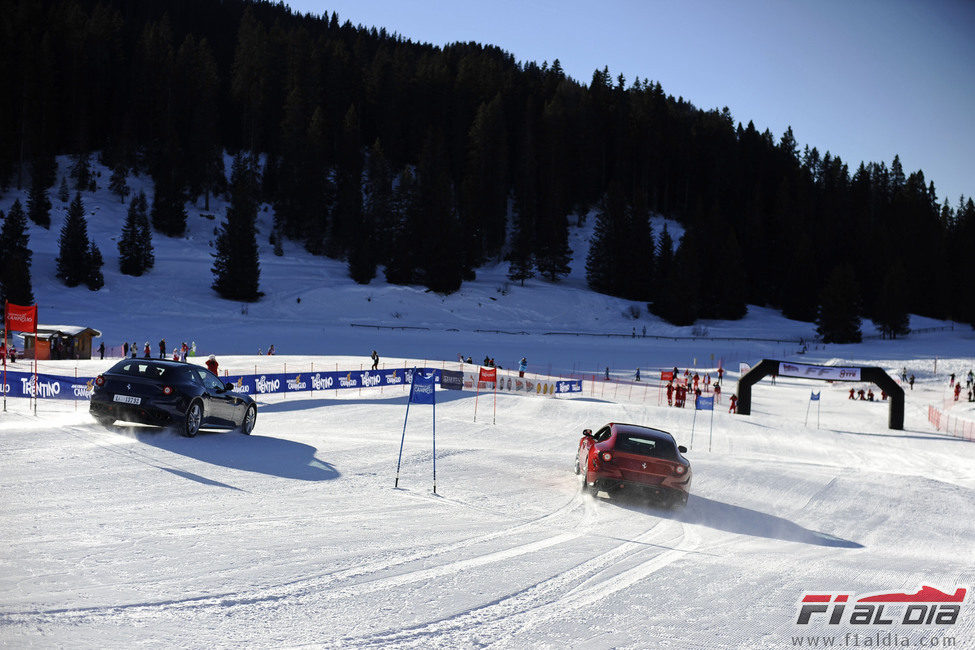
(680, 469)
(100, 380)
(167, 390)
(607, 456)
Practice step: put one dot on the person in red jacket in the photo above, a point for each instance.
(697, 378)
(670, 394)
(212, 364)
(734, 404)
(717, 393)
(957, 390)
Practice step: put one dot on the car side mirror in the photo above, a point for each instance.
(587, 433)
(228, 386)
(682, 449)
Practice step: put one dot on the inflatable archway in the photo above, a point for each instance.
(895, 418)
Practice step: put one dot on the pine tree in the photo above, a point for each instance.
(38, 205)
(81, 171)
(401, 259)
(95, 280)
(15, 258)
(73, 248)
(117, 183)
(236, 267)
(144, 231)
(839, 308)
(678, 300)
(608, 243)
(890, 312)
(378, 189)
(64, 194)
(168, 209)
(132, 258)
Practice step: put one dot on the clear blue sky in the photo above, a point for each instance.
(863, 79)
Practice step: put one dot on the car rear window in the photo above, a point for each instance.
(142, 368)
(646, 446)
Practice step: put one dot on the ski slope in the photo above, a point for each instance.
(133, 536)
(295, 535)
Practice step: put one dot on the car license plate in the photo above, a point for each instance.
(125, 399)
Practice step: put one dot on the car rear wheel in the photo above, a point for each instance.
(192, 420)
(250, 419)
(105, 420)
(586, 488)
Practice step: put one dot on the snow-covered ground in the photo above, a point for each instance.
(296, 536)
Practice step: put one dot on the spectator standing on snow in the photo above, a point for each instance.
(911, 382)
(101, 350)
(522, 366)
(717, 393)
(162, 348)
(851, 393)
(670, 393)
(957, 390)
(147, 351)
(697, 378)
(375, 360)
(270, 350)
(638, 374)
(212, 364)
(133, 349)
(125, 349)
(734, 404)
(951, 380)
(720, 373)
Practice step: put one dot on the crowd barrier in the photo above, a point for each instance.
(21, 384)
(951, 424)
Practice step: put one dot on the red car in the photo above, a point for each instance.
(632, 456)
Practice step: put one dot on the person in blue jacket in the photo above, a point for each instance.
(522, 367)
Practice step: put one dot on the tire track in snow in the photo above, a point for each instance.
(580, 586)
(314, 585)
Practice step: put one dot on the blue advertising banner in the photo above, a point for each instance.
(568, 386)
(424, 388)
(21, 384)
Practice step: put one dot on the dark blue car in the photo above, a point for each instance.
(170, 393)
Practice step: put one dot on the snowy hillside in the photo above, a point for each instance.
(134, 536)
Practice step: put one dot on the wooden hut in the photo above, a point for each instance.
(60, 342)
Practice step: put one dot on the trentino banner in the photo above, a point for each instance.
(829, 373)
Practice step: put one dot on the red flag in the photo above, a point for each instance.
(20, 319)
(667, 375)
(488, 376)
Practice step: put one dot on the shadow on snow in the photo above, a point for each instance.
(735, 519)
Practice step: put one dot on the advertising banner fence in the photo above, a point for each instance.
(21, 384)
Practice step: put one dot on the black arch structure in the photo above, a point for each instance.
(879, 377)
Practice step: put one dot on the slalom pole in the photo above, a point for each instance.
(403, 438)
(494, 418)
(693, 421)
(808, 404)
(711, 433)
(819, 406)
(477, 392)
(434, 438)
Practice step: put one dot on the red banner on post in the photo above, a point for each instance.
(20, 319)
(667, 375)
(488, 376)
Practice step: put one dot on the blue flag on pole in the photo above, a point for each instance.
(423, 390)
(704, 403)
(814, 397)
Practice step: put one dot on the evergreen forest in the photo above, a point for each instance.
(425, 162)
